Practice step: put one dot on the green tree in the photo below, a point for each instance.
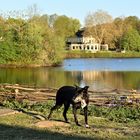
(131, 40)
(7, 45)
(54, 49)
(65, 26)
(121, 26)
(37, 27)
(48, 47)
(132, 21)
(36, 39)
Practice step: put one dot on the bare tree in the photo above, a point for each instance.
(95, 24)
(33, 11)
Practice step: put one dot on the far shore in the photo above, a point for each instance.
(77, 54)
(27, 65)
(101, 54)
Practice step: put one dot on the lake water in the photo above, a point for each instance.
(98, 73)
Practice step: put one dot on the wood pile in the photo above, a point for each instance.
(34, 94)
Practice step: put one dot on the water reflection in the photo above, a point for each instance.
(56, 77)
(107, 79)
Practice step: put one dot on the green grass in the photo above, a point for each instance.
(101, 54)
(21, 126)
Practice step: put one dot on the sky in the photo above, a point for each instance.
(76, 8)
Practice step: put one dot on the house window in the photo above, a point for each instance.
(96, 48)
(88, 47)
(73, 47)
(84, 47)
(80, 47)
(91, 47)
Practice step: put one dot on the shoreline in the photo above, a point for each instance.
(27, 65)
(77, 54)
(80, 54)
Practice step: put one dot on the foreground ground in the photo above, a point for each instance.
(24, 126)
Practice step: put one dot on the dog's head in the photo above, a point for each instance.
(81, 94)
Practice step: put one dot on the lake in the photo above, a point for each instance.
(98, 73)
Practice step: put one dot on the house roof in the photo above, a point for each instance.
(80, 32)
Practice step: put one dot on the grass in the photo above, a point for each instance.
(21, 126)
(101, 54)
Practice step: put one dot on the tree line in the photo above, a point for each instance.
(36, 39)
(31, 38)
(119, 33)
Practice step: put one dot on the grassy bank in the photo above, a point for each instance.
(21, 126)
(83, 54)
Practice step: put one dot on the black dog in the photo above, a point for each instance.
(67, 95)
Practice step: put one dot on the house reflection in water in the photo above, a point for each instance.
(99, 79)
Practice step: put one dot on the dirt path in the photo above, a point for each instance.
(48, 124)
(6, 111)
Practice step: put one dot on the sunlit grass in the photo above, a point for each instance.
(100, 127)
(22, 126)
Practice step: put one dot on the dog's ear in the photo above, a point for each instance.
(86, 88)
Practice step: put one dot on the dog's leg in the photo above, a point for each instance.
(52, 109)
(86, 116)
(75, 117)
(66, 107)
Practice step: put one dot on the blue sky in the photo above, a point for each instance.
(76, 8)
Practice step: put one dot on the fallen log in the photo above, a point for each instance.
(34, 94)
(32, 89)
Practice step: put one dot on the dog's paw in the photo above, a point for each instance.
(87, 126)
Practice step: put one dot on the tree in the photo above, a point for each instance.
(33, 11)
(131, 40)
(109, 36)
(2, 28)
(35, 36)
(119, 29)
(132, 21)
(121, 26)
(53, 48)
(96, 23)
(52, 19)
(33, 40)
(65, 26)
(7, 45)
(48, 47)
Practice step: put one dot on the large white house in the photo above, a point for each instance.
(87, 43)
